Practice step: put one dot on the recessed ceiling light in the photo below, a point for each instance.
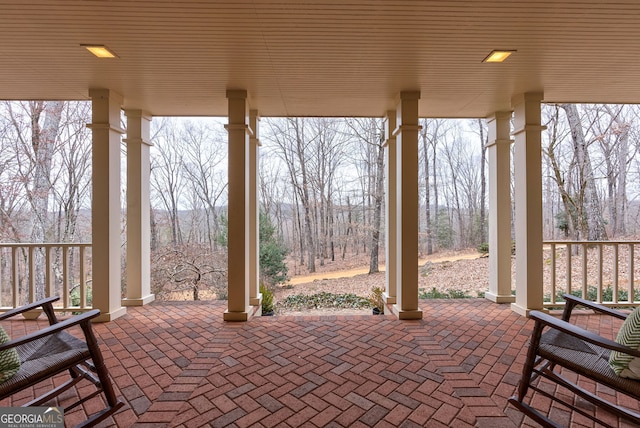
(498, 56)
(101, 51)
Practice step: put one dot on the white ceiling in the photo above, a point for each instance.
(321, 57)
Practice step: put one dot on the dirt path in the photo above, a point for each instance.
(348, 273)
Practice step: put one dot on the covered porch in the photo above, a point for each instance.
(244, 60)
(181, 365)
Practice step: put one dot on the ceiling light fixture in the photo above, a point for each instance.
(498, 56)
(101, 51)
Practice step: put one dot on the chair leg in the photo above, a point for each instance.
(533, 413)
(101, 370)
(527, 370)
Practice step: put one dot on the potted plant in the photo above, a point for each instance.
(377, 302)
(267, 300)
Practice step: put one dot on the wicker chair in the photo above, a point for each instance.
(53, 350)
(559, 344)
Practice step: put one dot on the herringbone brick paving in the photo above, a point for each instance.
(180, 365)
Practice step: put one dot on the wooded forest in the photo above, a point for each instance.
(321, 184)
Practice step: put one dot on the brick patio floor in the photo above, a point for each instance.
(181, 365)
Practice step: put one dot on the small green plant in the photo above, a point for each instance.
(267, 300)
(74, 295)
(437, 294)
(483, 248)
(376, 299)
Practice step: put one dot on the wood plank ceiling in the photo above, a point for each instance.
(321, 57)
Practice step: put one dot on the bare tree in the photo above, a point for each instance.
(588, 214)
(166, 174)
(290, 136)
(369, 133)
(204, 153)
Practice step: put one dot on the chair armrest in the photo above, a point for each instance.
(84, 318)
(574, 330)
(573, 301)
(40, 303)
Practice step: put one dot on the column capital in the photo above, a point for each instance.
(389, 127)
(106, 127)
(529, 128)
(239, 127)
(137, 141)
(502, 142)
(409, 95)
(527, 96)
(406, 128)
(499, 115)
(237, 93)
(137, 114)
(105, 93)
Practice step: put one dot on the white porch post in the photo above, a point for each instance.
(391, 234)
(239, 251)
(528, 199)
(255, 297)
(499, 208)
(138, 210)
(105, 204)
(406, 134)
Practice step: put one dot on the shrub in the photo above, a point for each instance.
(376, 299)
(267, 300)
(437, 294)
(324, 300)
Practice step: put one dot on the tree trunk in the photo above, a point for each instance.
(377, 214)
(483, 183)
(591, 220)
(43, 142)
(427, 188)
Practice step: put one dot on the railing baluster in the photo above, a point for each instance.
(82, 279)
(631, 290)
(65, 277)
(14, 275)
(553, 273)
(48, 280)
(616, 254)
(31, 263)
(599, 276)
(569, 267)
(584, 270)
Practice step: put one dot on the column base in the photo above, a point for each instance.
(499, 298)
(110, 316)
(241, 316)
(141, 301)
(407, 315)
(520, 310)
(389, 300)
(256, 301)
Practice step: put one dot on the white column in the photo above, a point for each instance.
(391, 232)
(406, 134)
(499, 148)
(528, 200)
(138, 209)
(255, 298)
(239, 308)
(105, 205)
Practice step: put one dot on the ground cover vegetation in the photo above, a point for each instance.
(322, 189)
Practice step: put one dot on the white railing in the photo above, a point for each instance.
(602, 271)
(31, 271)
